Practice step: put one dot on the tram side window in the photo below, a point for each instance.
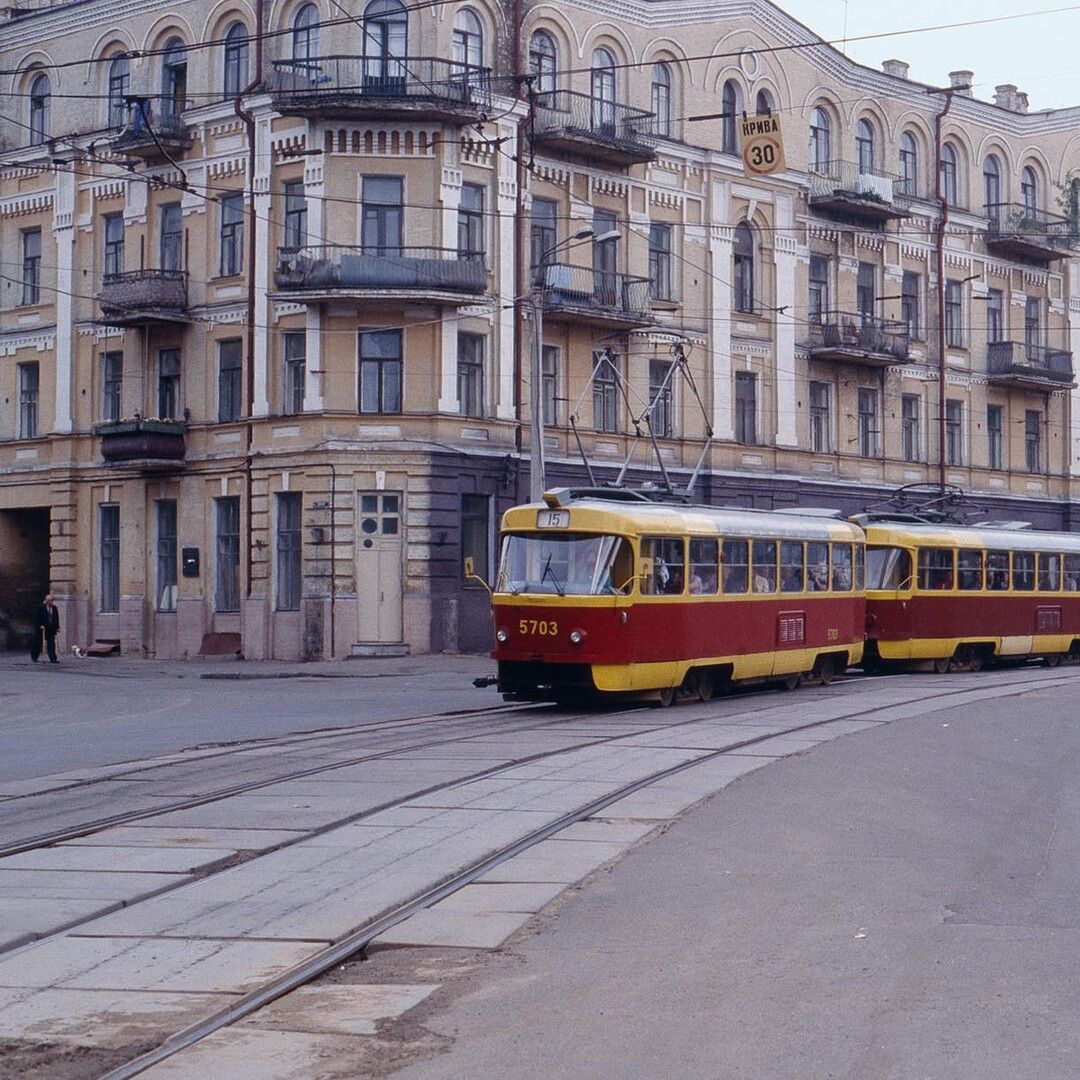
(1072, 573)
(997, 571)
(1023, 576)
(736, 564)
(703, 563)
(841, 567)
(664, 560)
(969, 569)
(764, 566)
(935, 568)
(1049, 572)
(888, 568)
(792, 568)
(860, 575)
(817, 564)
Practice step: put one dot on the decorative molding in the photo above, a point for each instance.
(12, 342)
(31, 203)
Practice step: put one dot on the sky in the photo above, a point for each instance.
(1037, 53)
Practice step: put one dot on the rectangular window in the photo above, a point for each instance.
(605, 391)
(470, 374)
(868, 422)
(168, 388)
(230, 381)
(819, 288)
(112, 385)
(817, 567)
(995, 315)
(381, 371)
(231, 238)
(113, 232)
(792, 566)
(1072, 573)
(954, 432)
(170, 237)
(735, 564)
(1023, 571)
(664, 565)
(820, 417)
(476, 533)
(109, 526)
(746, 408)
(910, 291)
(994, 436)
(997, 571)
(662, 410)
(1049, 572)
(866, 290)
(382, 215)
(1032, 326)
(935, 568)
(954, 314)
(29, 381)
(295, 215)
(969, 570)
(31, 266)
(550, 362)
(289, 550)
(227, 565)
(543, 231)
(764, 566)
(294, 345)
(841, 568)
(704, 556)
(1033, 440)
(660, 262)
(166, 554)
(471, 223)
(911, 426)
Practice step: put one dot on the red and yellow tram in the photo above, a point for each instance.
(961, 596)
(623, 595)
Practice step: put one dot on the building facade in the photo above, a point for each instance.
(272, 272)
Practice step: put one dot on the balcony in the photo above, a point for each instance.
(401, 88)
(604, 131)
(1013, 363)
(597, 298)
(1021, 232)
(850, 338)
(842, 189)
(150, 444)
(144, 297)
(429, 275)
(154, 130)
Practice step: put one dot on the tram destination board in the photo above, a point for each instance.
(762, 145)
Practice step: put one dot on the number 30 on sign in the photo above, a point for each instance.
(762, 145)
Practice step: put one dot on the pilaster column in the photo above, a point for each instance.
(1072, 407)
(503, 244)
(785, 252)
(721, 240)
(260, 187)
(64, 237)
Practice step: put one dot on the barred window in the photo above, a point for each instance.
(289, 551)
(166, 555)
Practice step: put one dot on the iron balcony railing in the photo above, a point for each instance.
(138, 294)
(148, 117)
(587, 291)
(1020, 360)
(566, 113)
(126, 441)
(847, 179)
(1028, 225)
(334, 266)
(328, 81)
(855, 333)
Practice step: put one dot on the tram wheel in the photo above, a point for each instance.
(667, 697)
(824, 670)
(1051, 660)
(976, 661)
(942, 667)
(792, 682)
(704, 686)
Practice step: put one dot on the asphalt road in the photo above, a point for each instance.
(902, 903)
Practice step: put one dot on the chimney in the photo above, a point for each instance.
(896, 68)
(958, 79)
(1006, 96)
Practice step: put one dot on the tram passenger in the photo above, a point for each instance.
(697, 586)
(997, 580)
(819, 578)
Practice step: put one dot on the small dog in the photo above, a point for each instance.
(77, 652)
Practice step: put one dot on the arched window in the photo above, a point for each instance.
(764, 102)
(602, 85)
(236, 59)
(543, 63)
(119, 81)
(173, 79)
(732, 106)
(661, 98)
(820, 140)
(386, 44)
(744, 267)
(992, 186)
(948, 177)
(468, 40)
(909, 163)
(864, 146)
(305, 35)
(40, 94)
(1029, 191)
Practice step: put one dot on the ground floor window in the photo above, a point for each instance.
(289, 551)
(227, 529)
(110, 558)
(166, 554)
(475, 533)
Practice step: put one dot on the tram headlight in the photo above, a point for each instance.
(577, 637)
(501, 636)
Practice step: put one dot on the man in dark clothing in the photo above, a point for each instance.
(47, 625)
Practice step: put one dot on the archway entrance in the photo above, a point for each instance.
(24, 572)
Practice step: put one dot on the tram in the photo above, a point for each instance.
(961, 596)
(611, 593)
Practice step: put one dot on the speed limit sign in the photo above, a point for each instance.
(762, 145)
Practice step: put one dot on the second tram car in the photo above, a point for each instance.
(621, 595)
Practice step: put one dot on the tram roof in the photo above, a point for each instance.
(973, 536)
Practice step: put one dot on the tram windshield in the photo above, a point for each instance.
(575, 564)
(888, 568)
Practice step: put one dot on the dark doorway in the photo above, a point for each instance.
(24, 572)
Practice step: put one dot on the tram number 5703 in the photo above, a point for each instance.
(538, 627)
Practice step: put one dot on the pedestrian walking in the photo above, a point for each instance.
(47, 626)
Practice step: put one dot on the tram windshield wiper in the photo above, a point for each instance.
(548, 572)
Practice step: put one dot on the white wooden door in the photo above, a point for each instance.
(379, 566)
